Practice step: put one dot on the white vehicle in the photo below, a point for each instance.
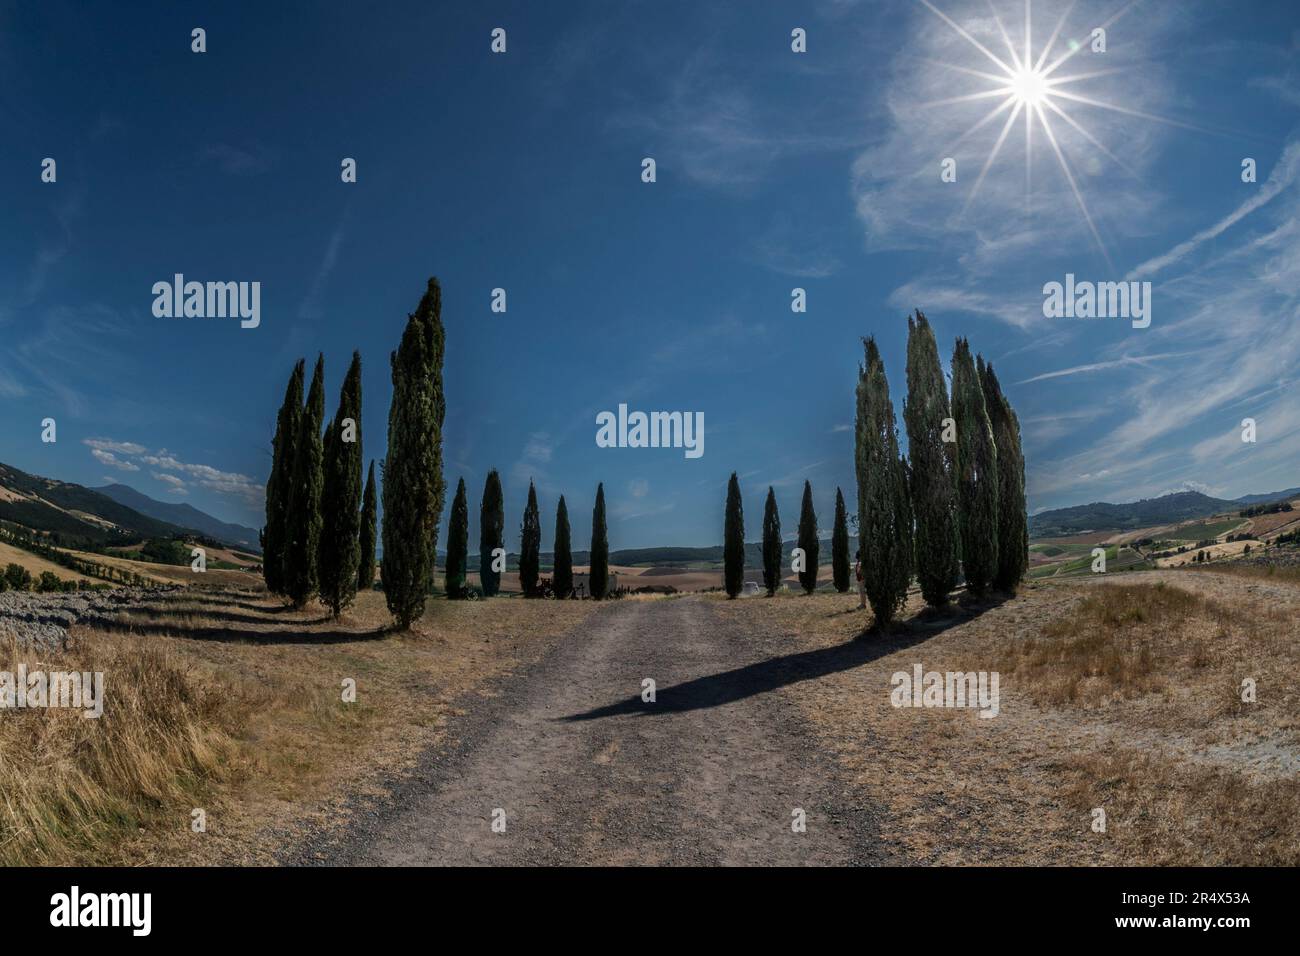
(751, 587)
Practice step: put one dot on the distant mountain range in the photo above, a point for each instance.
(183, 515)
(1167, 509)
(78, 515)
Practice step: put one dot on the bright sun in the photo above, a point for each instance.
(1029, 86)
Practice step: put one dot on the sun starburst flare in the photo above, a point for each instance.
(1029, 85)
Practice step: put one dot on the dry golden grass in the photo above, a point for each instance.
(1123, 694)
(230, 702)
(74, 785)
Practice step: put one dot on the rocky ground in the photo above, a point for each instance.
(42, 620)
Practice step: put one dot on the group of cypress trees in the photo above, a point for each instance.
(733, 549)
(321, 523)
(957, 507)
(316, 517)
(492, 536)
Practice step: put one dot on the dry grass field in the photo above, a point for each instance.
(227, 701)
(1122, 695)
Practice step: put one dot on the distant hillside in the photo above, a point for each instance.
(186, 516)
(72, 511)
(1167, 509)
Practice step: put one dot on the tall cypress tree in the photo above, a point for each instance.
(808, 541)
(840, 545)
(884, 508)
(457, 544)
(368, 535)
(301, 570)
(341, 497)
(275, 536)
(934, 487)
(599, 577)
(977, 474)
(413, 485)
(771, 544)
(733, 540)
(530, 545)
(562, 573)
(1013, 525)
(491, 532)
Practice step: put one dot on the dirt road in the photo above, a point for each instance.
(585, 772)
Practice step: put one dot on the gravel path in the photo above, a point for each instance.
(587, 773)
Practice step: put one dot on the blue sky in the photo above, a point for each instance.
(775, 170)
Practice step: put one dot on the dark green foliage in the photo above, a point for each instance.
(933, 462)
(771, 544)
(1013, 525)
(457, 544)
(491, 532)
(884, 507)
(599, 576)
(18, 577)
(301, 556)
(275, 535)
(562, 563)
(840, 545)
(808, 541)
(412, 473)
(977, 474)
(341, 498)
(368, 535)
(530, 545)
(733, 540)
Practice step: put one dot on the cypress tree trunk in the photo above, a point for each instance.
(733, 540)
(884, 508)
(808, 541)
(341, 497)
(771, 544)
(368, 535)
(530, 545)
(301, 578)
(599, 577)
(977, 474)
(1013, 524)
(275, 536)
(840, 545)
(562, 574)
(934, 488)
(457, 544)
(491, 532)
(413, 486)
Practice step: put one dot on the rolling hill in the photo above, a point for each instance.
(185, 516)
(71, 510)
(1167, 509)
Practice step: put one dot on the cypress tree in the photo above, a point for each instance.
(808, 541)
(733, 540)
(301, 570)
(457, 544)
(934, 488)
(884, 509)
(599, 576)
(1013, 525)
(275, 536)
(341, 497)
(840, 545)
(977, 474)
(491, 532)
(562, 573)
(368, 535)
(771, 544)
(413, 485)
(530, 545)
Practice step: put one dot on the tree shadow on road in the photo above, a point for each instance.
(776, 672)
